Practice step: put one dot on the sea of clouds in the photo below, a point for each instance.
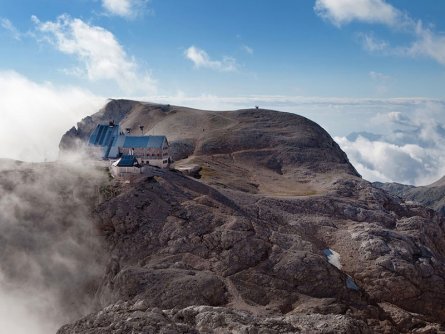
(404, 146)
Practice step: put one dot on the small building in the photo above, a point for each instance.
(126, 165)
(108, 142)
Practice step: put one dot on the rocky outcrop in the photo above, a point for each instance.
(128, 317)
(279, 235)
(115, 110)
(264, 255)
(431, 196)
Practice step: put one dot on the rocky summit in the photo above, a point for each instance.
(273, 232)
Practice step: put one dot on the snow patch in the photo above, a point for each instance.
(333, 257)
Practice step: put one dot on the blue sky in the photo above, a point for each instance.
(347, 64)
(277, 48)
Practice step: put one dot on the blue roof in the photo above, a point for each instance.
(103, 135)
(110, 139)
(143, 141)
(127, 161)
(114, 150)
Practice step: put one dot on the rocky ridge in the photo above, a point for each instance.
(243, 249)
(431, 196)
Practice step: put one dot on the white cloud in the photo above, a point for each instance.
(7, 24)
(35, 116)
(100, 55)
(340, 12)
(383, 161)
(372, 44)
(426, 42)
(247, 49)
(201, 59)
(124, 8)
(395, 117)
(412, 151)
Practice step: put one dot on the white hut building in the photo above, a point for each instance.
(126, 165)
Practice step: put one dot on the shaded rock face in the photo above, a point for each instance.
(232, 254)
(432, 196)
(115, 111)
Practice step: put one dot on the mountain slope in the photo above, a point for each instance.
(248, 148)
(279, 235)
(431, 196)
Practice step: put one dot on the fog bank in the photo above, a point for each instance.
(50, 254)
(36, 115)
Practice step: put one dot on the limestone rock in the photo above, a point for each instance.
(241, 249)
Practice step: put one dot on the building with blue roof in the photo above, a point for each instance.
(103, 138)
(110, 143)
(126, 165)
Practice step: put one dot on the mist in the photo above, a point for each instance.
(36, 115)
(51, 256)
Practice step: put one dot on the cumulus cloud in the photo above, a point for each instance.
(340, 12)
(426, 42)
(412, 152)
(100, 55)
(201, 59)
(36, 115)
(386, 162)
(124, 8)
